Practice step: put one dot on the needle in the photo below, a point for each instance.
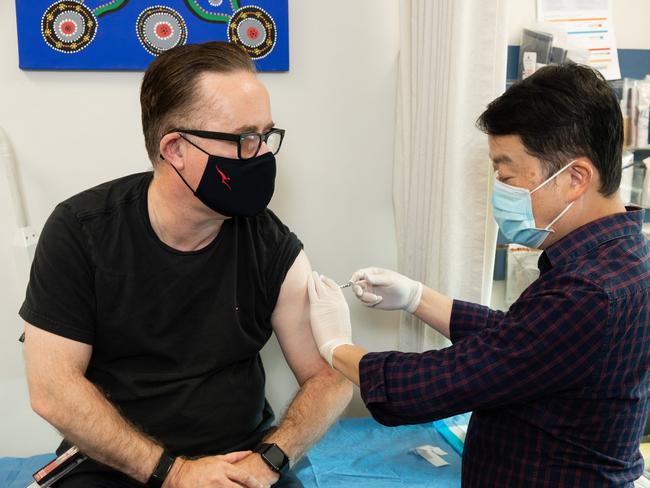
(346, 285)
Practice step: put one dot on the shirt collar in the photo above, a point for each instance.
(591, 235)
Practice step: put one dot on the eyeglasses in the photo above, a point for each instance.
(248, 143)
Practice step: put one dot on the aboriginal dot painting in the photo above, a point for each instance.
(129, 34)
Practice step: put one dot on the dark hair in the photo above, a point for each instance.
(169, 93)
(562, 112)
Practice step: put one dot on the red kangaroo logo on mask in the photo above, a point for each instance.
(224, 179)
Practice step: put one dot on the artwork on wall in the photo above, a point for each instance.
(128, 34)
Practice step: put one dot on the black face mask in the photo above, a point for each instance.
(236, 187)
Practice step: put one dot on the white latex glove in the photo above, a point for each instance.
(386, 289)
(330, 315)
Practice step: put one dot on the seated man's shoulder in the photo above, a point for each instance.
(105, 197)
(267, 224)
(272, 239)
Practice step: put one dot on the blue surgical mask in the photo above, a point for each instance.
(513, 210)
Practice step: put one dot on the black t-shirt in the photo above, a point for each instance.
(176, 335)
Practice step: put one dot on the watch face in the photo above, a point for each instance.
(275, 456)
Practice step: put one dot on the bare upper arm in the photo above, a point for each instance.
(291, 323)
(50, 357)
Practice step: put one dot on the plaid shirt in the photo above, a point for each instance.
(559, 384)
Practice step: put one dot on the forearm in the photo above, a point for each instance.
(435, 310)
(316, 406)
(88, 420)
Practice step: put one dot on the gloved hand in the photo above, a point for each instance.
(387, 290)
(330, 315)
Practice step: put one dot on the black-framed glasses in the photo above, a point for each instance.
(248, 143)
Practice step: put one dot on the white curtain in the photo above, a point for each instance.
(452, 64)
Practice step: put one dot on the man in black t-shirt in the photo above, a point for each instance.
(151, 296)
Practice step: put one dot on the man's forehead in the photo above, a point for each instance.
(236, 102)
(213, 90)
(230, 85)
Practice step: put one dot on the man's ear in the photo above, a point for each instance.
(171, 150)
(582, 175)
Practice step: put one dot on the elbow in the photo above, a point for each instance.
(388, 421)
(347, 388)
(337, 384)
(392, 416)
(41, 403)
(385, 415)
(344, 386)
(344, 389)
(45, 402)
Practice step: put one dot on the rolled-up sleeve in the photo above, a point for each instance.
(470, 318)
(545, 343)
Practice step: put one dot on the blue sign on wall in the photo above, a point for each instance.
(128, 34)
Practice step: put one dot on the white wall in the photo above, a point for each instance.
(630, 21)
(72, 130)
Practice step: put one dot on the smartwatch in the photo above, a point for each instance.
(161, 470)
(274, 457)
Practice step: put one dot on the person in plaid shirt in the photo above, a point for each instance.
(559, 384)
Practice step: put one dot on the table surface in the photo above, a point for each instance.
(363, 453)
(355, 452)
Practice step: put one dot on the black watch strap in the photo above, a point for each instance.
(161, 470)
(274, 457)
